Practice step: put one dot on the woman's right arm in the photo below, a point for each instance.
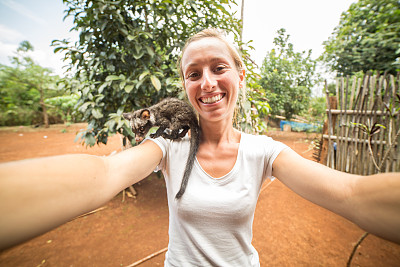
(37, 195)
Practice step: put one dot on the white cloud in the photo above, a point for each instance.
(6, 51)
(46, 58)
(9, 35)
(21, 9)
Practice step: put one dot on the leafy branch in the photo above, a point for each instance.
(370, 129)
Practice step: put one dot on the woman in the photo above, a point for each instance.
(211, 225)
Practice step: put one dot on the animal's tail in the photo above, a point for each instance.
(194, 146)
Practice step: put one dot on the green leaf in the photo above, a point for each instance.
(138, 48)
(150, 51)
(89, 139)
(104, 85)
(156, 82)
(85, 106)
(128, 88)
(144, 74)
(123, 31)
(122, 84)
(138, 55)
(78, 136)
(112, 78)
(57, 49)
(97, 113)
(110, 124)
(103, 26)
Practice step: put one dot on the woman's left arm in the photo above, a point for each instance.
(372, 202)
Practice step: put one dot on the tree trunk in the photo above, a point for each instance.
(44, 110)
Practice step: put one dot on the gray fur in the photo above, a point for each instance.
(174, 118)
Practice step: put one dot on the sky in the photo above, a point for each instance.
(39, 22)
(308, 22)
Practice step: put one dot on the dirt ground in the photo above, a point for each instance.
(288, 230)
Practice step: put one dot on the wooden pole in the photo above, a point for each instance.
(326, 146)
(148, 257)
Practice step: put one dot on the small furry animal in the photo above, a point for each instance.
(174, 118)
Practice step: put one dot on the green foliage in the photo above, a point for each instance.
(253, 106)
(287, 77)
(367, 38)
(331, 89)
(126, 54)
(393, 106)
(317, 110)
(23, 87)
(64, 106)
(370, 128)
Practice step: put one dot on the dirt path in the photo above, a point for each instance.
(288, 230)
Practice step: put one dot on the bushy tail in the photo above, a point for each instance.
(194, 146)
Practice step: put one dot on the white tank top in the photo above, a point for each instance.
(211, 225)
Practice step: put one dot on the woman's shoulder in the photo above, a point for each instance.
(261, 143)
(257, 139)
(167, 144)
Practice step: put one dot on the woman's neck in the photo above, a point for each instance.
(218, 132)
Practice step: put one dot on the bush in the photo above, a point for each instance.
(18, 116)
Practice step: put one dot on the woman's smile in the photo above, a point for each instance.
(209, 100)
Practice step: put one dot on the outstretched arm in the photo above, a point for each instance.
(372, 202)
(36, 195)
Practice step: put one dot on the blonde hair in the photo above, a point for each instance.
(212, 33)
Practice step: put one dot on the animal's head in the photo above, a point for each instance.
(140, 122)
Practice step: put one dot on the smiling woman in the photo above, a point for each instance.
(230, 167)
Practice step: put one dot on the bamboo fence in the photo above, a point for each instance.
(360, 104)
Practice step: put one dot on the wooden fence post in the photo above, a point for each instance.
(325, 143)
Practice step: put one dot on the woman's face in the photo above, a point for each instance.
(211, 79)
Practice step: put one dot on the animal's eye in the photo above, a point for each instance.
(141, 128)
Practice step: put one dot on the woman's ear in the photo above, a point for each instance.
(242, 75)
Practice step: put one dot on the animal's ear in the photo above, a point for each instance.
(145, 115)
(127, 116)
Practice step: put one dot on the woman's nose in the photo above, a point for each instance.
(208, 81)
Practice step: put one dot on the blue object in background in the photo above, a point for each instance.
(301, 127)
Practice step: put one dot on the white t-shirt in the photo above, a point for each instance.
(211, 225)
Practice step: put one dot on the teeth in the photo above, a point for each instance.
(211, 100)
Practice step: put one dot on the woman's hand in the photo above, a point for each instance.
(37, 195)
(372, 202)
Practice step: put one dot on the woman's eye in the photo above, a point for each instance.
(219, 68)
(193, 75)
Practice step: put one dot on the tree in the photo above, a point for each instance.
(24, 87)
(126, 54)
(64, 106)
(367, 38)
(287, 77)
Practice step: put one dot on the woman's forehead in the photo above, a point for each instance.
(209, 49)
